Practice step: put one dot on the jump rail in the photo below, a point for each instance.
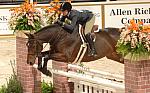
(86, 87)
(97, 72)
(88, 78)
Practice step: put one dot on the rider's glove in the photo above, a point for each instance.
(60, 22)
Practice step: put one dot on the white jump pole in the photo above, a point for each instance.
(96, 71)
(87, 78)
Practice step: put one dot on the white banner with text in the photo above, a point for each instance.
(118, 15)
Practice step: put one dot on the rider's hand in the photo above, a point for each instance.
(59, 22)
(55, 21)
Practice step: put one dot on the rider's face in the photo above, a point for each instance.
(65, 13)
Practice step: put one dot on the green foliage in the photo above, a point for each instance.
(3, 89)
(22, 24)
(47, 87)
(134, 42)
(25, 17)
(123, 49)
(134, 54)
(80, 71)
(13, 85)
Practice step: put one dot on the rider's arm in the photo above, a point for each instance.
(70, 27)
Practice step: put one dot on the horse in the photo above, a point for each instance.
(64, 46)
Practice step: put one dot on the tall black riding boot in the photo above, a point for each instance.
(91, 44)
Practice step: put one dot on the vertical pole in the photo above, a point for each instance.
(103, 16)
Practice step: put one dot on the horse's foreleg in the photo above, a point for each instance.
(39, 62)
(46, 58)
(43, 54)
(44, 69)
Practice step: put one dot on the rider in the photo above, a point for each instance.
(84, 18)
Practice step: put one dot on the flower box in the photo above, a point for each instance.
(134, 42)
(25, 17)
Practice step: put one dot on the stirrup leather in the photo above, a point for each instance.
(83, 48)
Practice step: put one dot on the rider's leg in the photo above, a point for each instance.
(91, 44)
(88, 28)
(89, 25)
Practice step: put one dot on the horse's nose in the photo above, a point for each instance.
(30, 63)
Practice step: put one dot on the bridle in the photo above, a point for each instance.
(37, 53)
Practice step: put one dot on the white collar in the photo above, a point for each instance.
(68, 14)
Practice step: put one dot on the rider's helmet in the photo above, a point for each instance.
(66, 6)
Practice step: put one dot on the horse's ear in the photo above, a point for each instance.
(29, 35)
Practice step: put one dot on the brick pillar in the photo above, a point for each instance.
(29, 77)
(61, 84)
(137, 77)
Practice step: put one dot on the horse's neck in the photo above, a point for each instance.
(45, 33)
(55, 34)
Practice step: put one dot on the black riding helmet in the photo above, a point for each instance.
(66, 6)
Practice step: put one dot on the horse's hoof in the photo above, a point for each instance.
(48, 73)
(39, 68)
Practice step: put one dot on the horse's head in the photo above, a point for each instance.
(34, 49)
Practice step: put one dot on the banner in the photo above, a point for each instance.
(118, 15)
(4, 18)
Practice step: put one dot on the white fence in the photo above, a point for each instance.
(87, 81)
(86, 87)
(96, 81)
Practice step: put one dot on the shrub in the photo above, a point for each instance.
(3, 89)
(47, 87)
(13, 85)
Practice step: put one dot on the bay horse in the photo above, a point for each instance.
(64, 46)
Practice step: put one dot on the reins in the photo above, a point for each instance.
(37, 53)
